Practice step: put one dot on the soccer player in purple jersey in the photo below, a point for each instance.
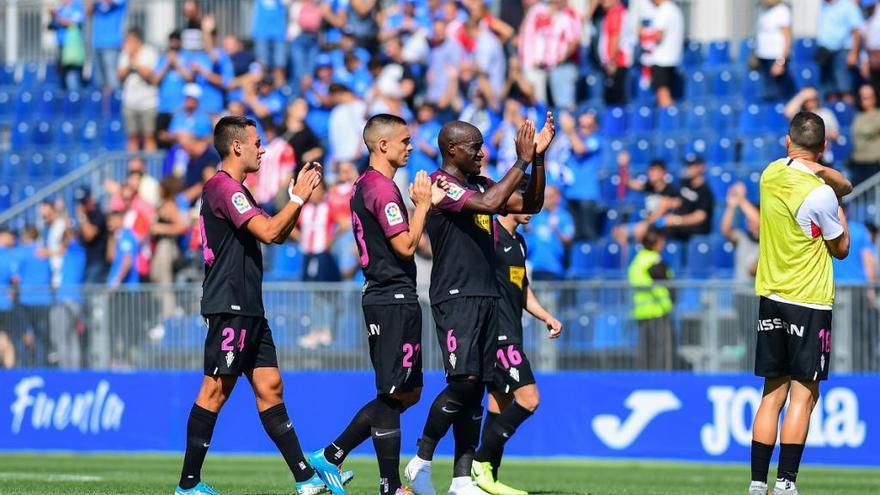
(387, 239)
(464, 293)
(239, 339)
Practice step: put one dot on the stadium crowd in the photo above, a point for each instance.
(311, 73)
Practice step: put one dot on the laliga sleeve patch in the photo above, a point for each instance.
(455, 192)
(240, 202)
(393, 214)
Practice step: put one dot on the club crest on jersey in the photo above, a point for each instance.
(229, 358)
(393, 214)
(455, 192)
(517, 273)
(240, 202)
(484, 222)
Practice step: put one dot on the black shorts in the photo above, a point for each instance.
(395, 336)
(237, 344)
(512, 368)
(663, 77)
(467, 329)
(792, 341)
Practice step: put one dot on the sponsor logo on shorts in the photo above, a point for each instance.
(514, 373)
(240, 202)
(374, 329)
(452, 359)
(393, 214)
(229, 358)
(777, 324)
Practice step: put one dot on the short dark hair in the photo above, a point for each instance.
(380, 123)
(652, 237)
(136, 32)
(228, 129)
(657, 163)
(807, 131)
(336, 88)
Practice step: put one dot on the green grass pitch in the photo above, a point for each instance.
(129, 474)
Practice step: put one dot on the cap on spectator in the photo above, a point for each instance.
(82, 193)
(692, 159)
(192, 90)
(323, 60)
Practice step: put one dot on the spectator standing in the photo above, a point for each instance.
(269, 32)
(7, 322)
(360, 22)
(865, 159)
(548, 46)
(306, 146)
(122, 251)
(870, 34)
(54, 224)
(550, 233)
(652, 304)
(441, 78)
(169, 75)
(657, 188)
(582, 191)
(66, 326)
(424, 137)
(202, 158)
(838, 43)
(171, 224)
(616, 43)
(772, 49)
(140, 97)
(67, 21)
(191, 118)
(108, 19)
(304, 26)
(504, 140)
(34, 275)
(264, 101)
(688, 214)
(346, 124)
(667, 32)
(191, 31)
(517, 85)
(92, 235)
(807, 100)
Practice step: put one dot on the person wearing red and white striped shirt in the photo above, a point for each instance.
(316, 231)
(276, 169)
(616, 42)
(548, 46)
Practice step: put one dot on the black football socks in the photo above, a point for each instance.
(761, 454)
(789, 461)
(491, 418)
(356, 433)
(280, 429)
(386, 441)
(501, 431)
(199, 430)
(466, 431)
(440, 417)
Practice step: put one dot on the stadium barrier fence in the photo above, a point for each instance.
(320, 327)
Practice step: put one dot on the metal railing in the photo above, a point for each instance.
(320, 326)
(862, 202)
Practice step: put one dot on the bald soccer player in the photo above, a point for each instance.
(464, 293)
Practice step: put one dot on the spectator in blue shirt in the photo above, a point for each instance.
(66, 315)
(861, 264)
(269, 33)
(67, 21)
(170, 75)
(264, 100)
(122, 252)
(191, 118)
(7, 324)
(354, 74)
(837, 40)
(108, 18)
(424, 140)
(550, 233)
(34, 275)
(582, 191)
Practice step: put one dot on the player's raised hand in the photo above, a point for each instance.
(554, 326)
(308, 179)
(525, 141)
(438, 190)
(545, 137)
(420, 190)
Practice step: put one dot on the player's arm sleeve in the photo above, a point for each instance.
(234, 205)
(386, 206)
(820, 207)
(455, 197)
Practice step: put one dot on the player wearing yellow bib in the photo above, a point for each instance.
(802, 227)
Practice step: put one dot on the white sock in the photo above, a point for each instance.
(421, 462)
(461, 482)
(784, 484)
(758, 484)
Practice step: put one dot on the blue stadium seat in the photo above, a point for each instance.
(93, 104)
(841, 148)
(39, 166)
(642, 120)
(13, 165)
(24, 105)
(30, 75)
(698, 119)
(611, 260)
(673, 255)
(718, 54)
(696, 85)
(641, 152)
(724, 83)
(614, 121)
(724, 118)
(693, 54)
(594, 86)
(845, 114)
(719, 179)
(804, 50)
(752, 87)
(584, 260)
(20, 137)
(51, 78)
(722, 151)
(668, 149)
(61, 164)
(610, 149)
(608, 187)
(610, 331)
(42, 135)
(286, 263)
(805, 75)
(773, 118)
(752, 180)
(88, 135)
(72, 105)
(113, 136)
(65, 133)
(47, 103)
(722, 257)
(5, 197)
(116, 104)
(755, 149)
(699, 257)
(746, 47)
(669, 119)
(697, 145)
(7, 75)
(5, 105)
(750, 121)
